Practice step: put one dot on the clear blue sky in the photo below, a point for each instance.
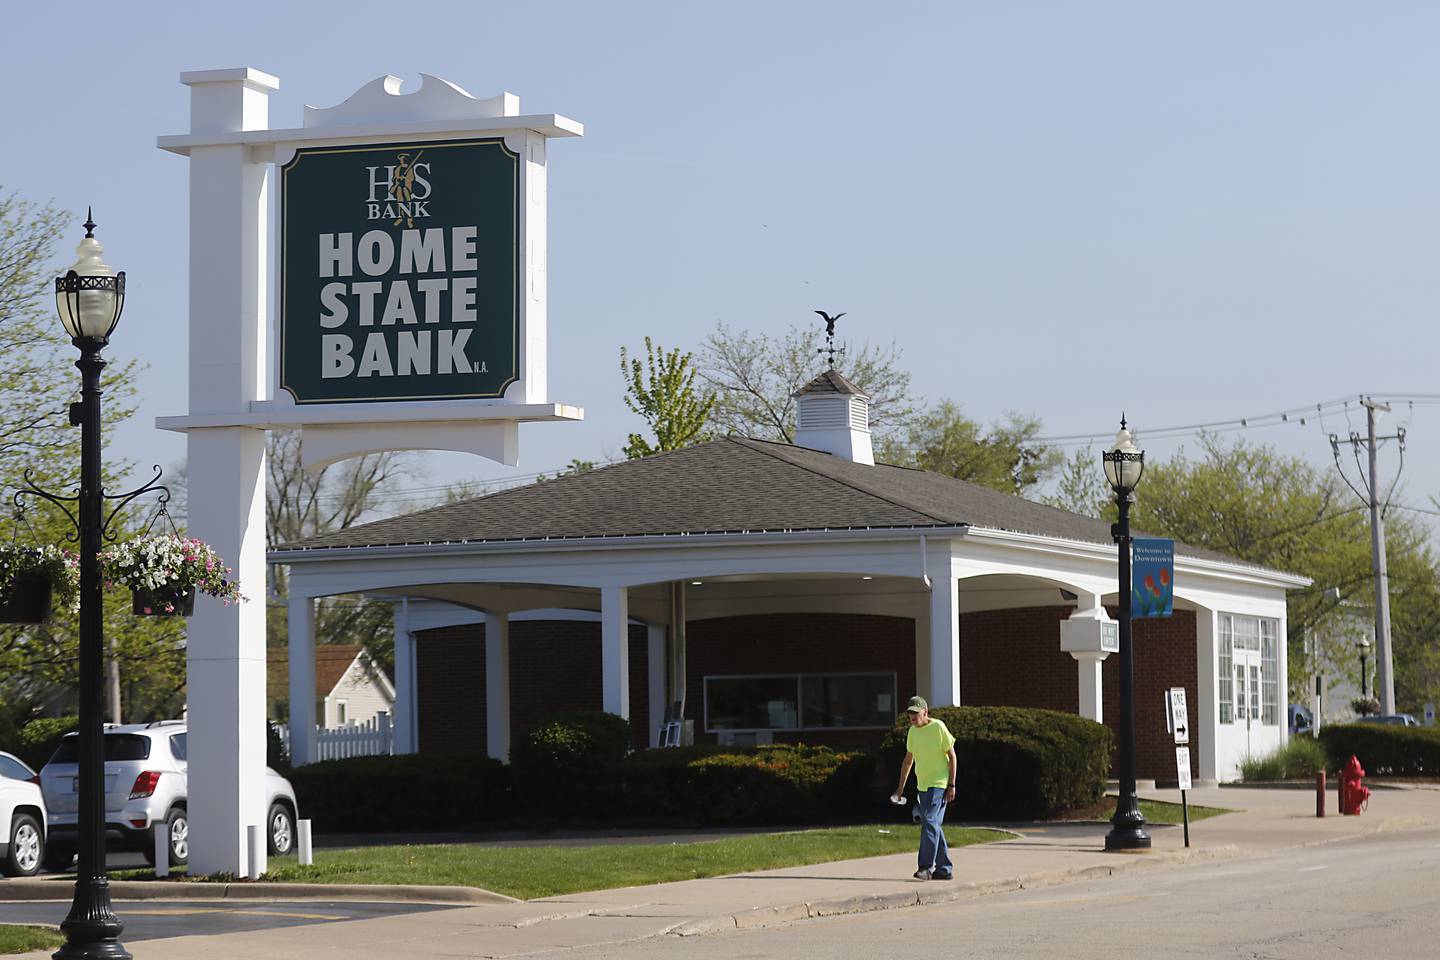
(1191, 211)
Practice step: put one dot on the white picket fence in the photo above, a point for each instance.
(372, 738)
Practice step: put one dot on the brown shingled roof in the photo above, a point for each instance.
(331, 662)
(725, 486)
(830, 382)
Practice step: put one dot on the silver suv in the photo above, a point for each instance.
(145, 785)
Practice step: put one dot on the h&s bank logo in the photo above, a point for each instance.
(407, 190)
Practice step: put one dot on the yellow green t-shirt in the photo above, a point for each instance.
(929, 745)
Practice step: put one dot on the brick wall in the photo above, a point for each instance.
(554, 668)
(1164, 658)
(1013, 658)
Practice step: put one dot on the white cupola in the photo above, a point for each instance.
(833, 415)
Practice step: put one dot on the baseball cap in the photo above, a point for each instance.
(916, 705)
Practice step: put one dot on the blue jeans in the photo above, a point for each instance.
(934, 852)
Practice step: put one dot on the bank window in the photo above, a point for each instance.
(811, 701)
(1269, 672)
(1227, 669)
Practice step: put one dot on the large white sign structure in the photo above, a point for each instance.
(235, 395)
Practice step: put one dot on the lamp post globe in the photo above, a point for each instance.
(1124, 466)
(89, 298)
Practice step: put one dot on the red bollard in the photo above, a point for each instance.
(1319, 793)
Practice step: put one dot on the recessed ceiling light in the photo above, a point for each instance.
(867, 578)
(696, 583)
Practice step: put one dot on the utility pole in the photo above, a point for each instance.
(1384, 662)
(1384, 659)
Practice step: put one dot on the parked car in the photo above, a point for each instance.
(1393, 719)
(145, 785)
(22, 806)
(1300, 721)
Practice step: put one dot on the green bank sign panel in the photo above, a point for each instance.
(400, 271)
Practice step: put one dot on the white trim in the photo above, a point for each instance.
(549, 124)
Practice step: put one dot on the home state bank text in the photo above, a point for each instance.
(427, 299)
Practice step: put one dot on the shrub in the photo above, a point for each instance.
(1384, 750)
(1300, 757)
(1018, 763)
(40, 737)
(402, 793)
(781, 784)
(559, 767)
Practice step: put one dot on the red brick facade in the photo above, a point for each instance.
(1007, 657)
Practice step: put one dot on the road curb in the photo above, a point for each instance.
(29, 889)
(936, 892)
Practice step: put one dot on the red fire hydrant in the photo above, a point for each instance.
(1354, 795)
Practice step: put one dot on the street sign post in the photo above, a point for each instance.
(1182, 771)
(1177, 718)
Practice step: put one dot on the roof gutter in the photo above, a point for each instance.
(634, 542)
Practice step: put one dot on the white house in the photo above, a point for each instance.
(350, 688)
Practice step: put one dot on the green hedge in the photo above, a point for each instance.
(559, 767)
(1384, 751)
(782, 784)
(40, 737)
(1017, 763)
(402, 793)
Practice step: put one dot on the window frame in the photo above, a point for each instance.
(799, 679)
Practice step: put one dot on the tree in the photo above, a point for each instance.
(1080, 486)
(944, 440)
(302, 503)
(37, 384)
(754, 378)
(662, 393)
(1255, 504)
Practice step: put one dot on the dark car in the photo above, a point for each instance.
(1392, 719)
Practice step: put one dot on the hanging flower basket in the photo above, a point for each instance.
(33, 580)
(164, 573)
(163, 602)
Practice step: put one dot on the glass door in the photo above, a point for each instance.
(1247, 692)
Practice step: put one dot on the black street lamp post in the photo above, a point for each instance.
(89, 299)
(1364, 647)
(1124, 464)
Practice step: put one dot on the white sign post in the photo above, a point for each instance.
(1178, 719)
(234, 389)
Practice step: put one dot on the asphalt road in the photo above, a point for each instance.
(1360, 900)
(153, 919)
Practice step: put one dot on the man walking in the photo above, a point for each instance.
(930, 749)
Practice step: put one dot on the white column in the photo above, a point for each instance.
(1207, 688)
(1091, 696)
(406, 739)
(225, 653)
(615, 650)
(302, 679)
(497, 684)
(922, 654)
(944, 629)
(655, 635)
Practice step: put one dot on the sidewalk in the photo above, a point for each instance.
(1054, 853)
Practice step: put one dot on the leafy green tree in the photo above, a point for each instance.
(1080, 485)
(662, 392)
(754, 377)
(1005, 457)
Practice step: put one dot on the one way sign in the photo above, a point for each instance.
(1178, 717)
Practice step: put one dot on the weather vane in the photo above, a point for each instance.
(830, 349)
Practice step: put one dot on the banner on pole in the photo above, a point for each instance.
(1152, 576)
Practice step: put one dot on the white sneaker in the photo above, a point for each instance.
(923, 874)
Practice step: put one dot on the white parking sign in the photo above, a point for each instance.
(1182, 766)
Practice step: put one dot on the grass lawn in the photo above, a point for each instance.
(20, 939)
(530, 872)
(1154, 811)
